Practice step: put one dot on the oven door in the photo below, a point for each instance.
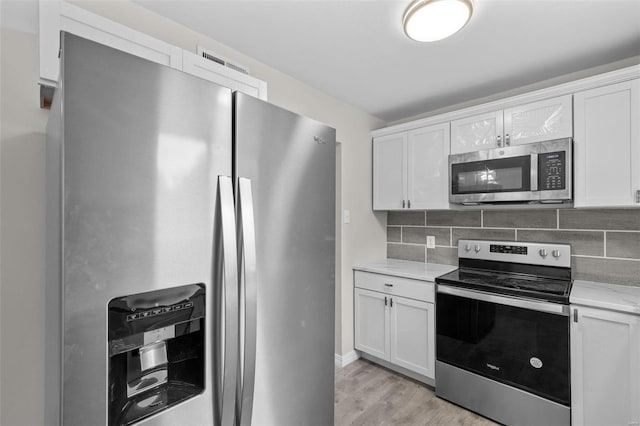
(521, 343)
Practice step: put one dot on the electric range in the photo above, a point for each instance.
(502, 331)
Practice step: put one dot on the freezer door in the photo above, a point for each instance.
(290, 161)
(142, 150)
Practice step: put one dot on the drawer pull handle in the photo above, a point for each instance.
(391, 302)
(385, 301)
(388, 285)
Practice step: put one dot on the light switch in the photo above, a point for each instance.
(431, 241)
(346, 216)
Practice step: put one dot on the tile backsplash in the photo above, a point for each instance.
(605, 243)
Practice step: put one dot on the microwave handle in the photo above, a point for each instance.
(534, 172)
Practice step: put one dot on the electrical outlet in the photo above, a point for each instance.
(431, 241)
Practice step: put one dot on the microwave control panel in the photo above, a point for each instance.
(551, 171)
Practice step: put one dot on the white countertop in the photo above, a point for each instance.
(622, 298)
(405, 268)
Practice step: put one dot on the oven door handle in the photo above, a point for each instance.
(548, 307)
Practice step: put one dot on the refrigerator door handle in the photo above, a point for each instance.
(248, 276)
(226, 286)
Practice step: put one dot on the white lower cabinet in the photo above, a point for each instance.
(372, 323)
(605, 367)
(394, 321)
(411, 331)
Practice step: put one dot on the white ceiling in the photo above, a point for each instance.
(356, 50)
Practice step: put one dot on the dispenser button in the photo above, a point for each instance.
(158, 334)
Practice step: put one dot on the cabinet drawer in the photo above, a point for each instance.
(397, 286)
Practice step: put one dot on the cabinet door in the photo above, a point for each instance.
(607, 145)
(412, 335)
(605, 367)
(389, 172)
(427, 167)
(538, 121)
(219, 74)
(56, 16)
(475, 133)
(372, 323)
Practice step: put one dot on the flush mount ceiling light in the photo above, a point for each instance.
(432, 20)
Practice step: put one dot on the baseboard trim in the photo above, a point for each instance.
(346, 359)
(412, 374)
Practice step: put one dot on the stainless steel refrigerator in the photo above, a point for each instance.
(190, 251)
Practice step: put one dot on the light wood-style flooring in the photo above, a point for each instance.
(367, 394)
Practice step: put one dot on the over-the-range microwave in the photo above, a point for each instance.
(540, 172)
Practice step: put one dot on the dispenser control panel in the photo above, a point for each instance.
(159, 311)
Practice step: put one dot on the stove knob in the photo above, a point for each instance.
(556, 254)
(467, 248)
(477, 248)
(543, 253)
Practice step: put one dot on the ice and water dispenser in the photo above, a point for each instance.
(156, 351)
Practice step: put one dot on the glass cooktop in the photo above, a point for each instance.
(521, 285)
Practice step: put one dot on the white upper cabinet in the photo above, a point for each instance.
(410, 169)
(427, 167)
(607, 145)
(390, 172)
(533, 122)
(219, 74)
(538, 121)
(56, 16)
(478, 132)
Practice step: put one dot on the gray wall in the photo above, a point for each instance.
(605, 242)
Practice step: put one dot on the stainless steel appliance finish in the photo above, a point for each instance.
(544, 254)
(290, 161)
(502, 331)
(140, 198)
(534, 305)
(539, 172)
(508, 405)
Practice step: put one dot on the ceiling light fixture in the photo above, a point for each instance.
(432, 20)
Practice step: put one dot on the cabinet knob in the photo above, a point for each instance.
(408, 204)
(403, 204)
(638, 196)
(507, 139)
(499, 140)
(385, 301)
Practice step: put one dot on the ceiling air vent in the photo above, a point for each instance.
(219, 59)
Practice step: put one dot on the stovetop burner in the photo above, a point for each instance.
(528, 270)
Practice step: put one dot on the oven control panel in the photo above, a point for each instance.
(500, 248)
(550, 254)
